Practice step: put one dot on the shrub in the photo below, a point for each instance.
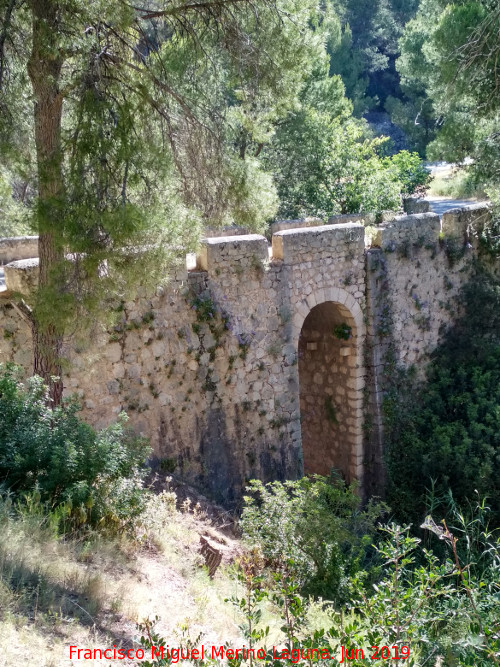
(314, 527)
(92, 477)
(423, 609)
(324, 165)
(409, 172)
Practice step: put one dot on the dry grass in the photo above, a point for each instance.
(91, 592)
(455, 183)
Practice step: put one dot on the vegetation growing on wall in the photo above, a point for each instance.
(448, 428)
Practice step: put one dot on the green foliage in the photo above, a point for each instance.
(409, 171)
(461, 183)
(342, 331)
(152, 643)
(490, 233)
(422, 607)
(324, 161)
(437, 607)
(51, 457)
(313, 528)
(250, 574)
(324, 165)
(155, 129)
(449, 75)
(14, 213)
(365, 55)
(347, 62)
(415, 115)
(448, 429)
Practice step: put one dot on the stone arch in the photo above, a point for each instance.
(331, 380)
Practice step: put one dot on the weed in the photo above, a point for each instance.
(342, 331)
(330, 411)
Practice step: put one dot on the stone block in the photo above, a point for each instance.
(465, 222)
(420, 228)
(18, 247)
(225, 252)
(113, 352)
(281, 225)
(22, 275)
(348, 217)
(416, 205)
(298, 246)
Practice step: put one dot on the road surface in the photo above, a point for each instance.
(442, 204)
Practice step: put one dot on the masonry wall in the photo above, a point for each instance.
(329, 401)
(18, 247)
(416, 266)
(208, 368)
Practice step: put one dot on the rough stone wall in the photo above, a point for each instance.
(18, 247)
(419, 283)
(217, 367)
(207, 368)
(424, 270)
(325, 265)
(415, 269)
(416, 205)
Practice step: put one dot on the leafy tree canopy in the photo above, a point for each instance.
(366, 53)
(448, 67)
(138, 120)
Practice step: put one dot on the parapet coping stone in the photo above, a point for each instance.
(456, 221)
(213, 251)
(410, 218)
(320, 229)
(298, 223)
(23, 264)
(17, 247)
(407, 228)
(237, 240)
(284, 241)
(344, 218)
(21, 275)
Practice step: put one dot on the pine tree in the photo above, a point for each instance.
(137, 116)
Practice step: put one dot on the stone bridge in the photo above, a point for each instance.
(270, 361)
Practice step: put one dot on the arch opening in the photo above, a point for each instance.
(330, 391)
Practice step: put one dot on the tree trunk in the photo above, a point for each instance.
(44, 68)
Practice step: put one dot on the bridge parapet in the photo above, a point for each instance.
(224, 253)
(466, 221)
(282, 225)
(22, 275)
(297, 246)
(18, 247)
(419, 229)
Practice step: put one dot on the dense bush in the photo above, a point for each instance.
(91, 477)
(449, 429)
(409, 172)
(314, 528)
(324, 166)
